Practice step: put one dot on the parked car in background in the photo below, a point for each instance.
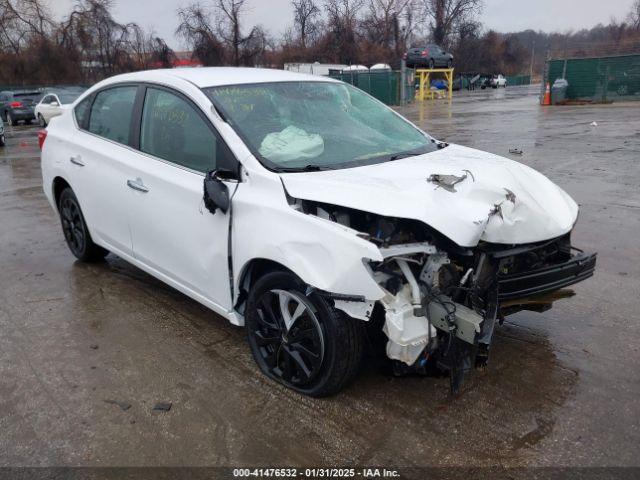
(498, 81)
(2, 138)
(295, 205)
(18, 106)
(53, 102)
(430, 56)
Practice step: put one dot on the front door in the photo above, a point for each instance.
(173, 234)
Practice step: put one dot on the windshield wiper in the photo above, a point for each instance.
(402, 155)
(306, 168)
(399, 156)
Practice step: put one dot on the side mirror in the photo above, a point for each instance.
(55, 104)
(216, 193)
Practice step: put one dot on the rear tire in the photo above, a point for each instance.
(321, 349)
(432, 64)
(449, 63)
(2, 141)
(41, 121)
(75, 229)
(10, 120)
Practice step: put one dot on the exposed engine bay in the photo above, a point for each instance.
(442, 301)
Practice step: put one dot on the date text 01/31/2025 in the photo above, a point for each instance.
(315, 473)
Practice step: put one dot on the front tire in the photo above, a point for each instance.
(299, 339)
(10, 120)
(2, 141)
(432, 64)
(75, 229)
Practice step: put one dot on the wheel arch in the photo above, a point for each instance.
(251, 272)
(57, 187)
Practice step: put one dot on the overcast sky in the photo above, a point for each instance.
(276, 15)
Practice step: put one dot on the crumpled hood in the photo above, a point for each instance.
(480, 208)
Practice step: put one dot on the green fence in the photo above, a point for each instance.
(602, 79)
(384, 85)
(515, 80)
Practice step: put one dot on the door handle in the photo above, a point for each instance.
(77, 160)
(137, 185)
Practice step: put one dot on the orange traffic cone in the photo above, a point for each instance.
(547, 95)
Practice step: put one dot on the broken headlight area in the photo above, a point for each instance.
(380, 230)
(442, 301)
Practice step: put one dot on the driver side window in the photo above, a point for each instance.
(173, 129)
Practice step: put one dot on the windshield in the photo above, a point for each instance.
(294, 126)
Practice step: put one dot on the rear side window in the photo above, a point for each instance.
(82, 112)
(172, 129)
(111, 113)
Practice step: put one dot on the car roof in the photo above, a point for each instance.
(218, 76)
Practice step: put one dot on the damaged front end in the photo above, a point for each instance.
(441, 301)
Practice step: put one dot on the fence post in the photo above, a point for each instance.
(403, 81)
(606, 85)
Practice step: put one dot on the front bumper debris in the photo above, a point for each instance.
(547, 279)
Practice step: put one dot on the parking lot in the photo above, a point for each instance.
(86, 351)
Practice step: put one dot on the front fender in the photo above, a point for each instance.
(322, 253)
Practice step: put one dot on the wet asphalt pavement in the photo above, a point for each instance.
(563, 387)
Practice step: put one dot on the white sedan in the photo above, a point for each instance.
(311, 214)
(53, 104)
(498, 81)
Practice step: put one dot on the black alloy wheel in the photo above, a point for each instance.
(75, 229)
(289, 337)
(298, 338)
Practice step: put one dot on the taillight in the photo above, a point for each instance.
(42, 136)
(16, 104)
(424, 53)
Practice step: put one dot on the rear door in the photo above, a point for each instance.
(174, 235)
(100, 164)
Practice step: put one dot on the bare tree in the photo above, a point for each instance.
(382, 23)
(634, 15)
(196, 28)
(446, 15)
(161, 54)
(21, 21)
(105, 47)
(343, 18)
(230, 27)
(305, 18)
